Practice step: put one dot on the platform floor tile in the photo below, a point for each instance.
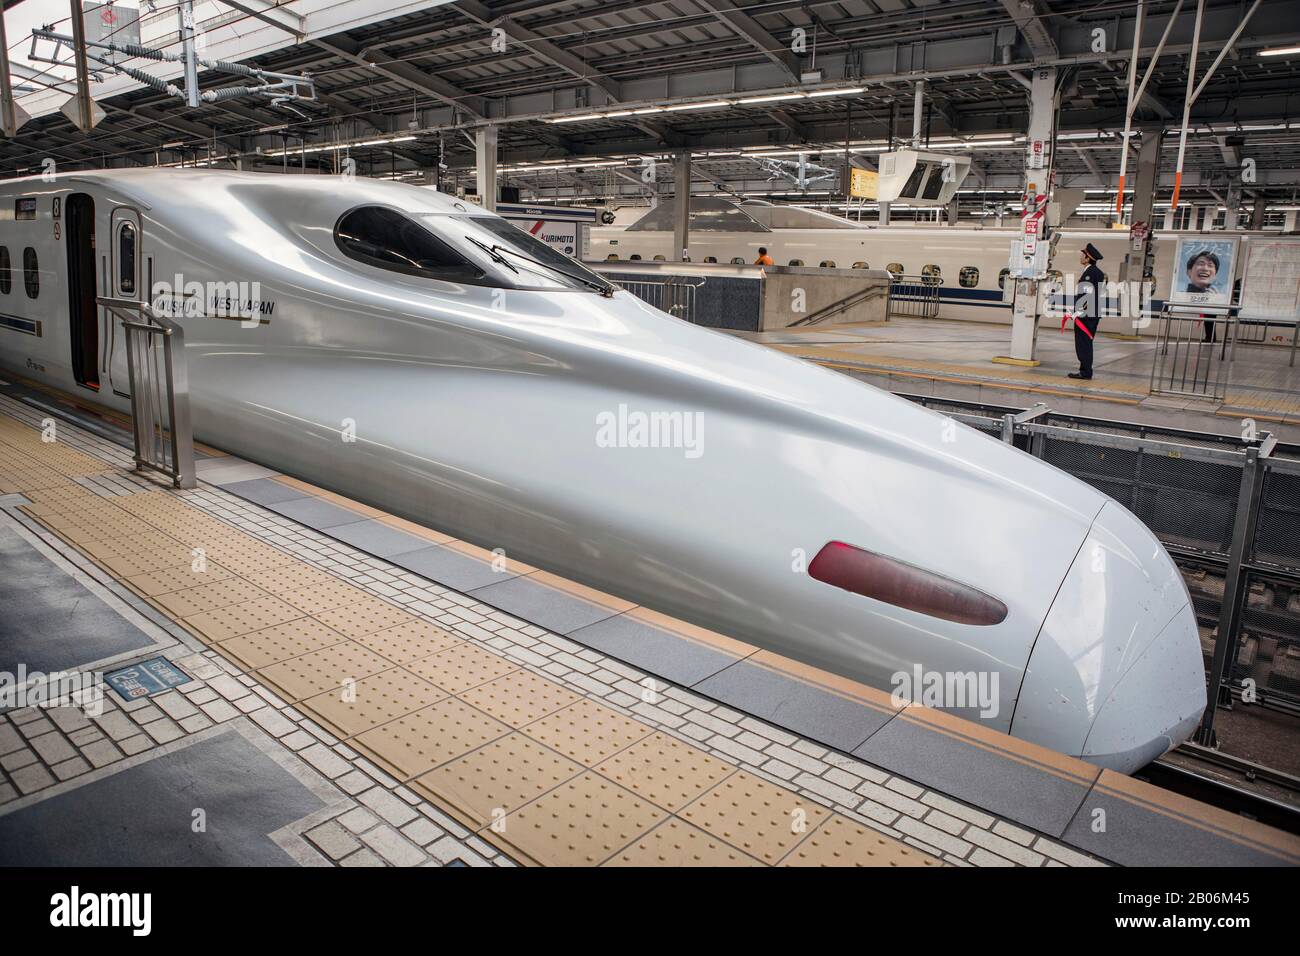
(377, 538)
(678, 843)
(840, 841)
(753, 815)
(313, 512)
(666, 771)
(364, 617)
(325, 596)
(409, 640)
(371, 701)
(226, 622)
(291, 577)
(815, 712)
(587, 732)
(177, 579)
(961, 759)
(460, 667)
(415, 744)
(280, 642)
(130, 565)
(326, 669)
(520, 697)
(264, 491)
(582, 822)
(550, 602)
(652, 649)
(209, 597)
(450, 567)
(497, 778)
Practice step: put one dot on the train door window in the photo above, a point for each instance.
(83, 310)
(31, 273)
(6, 272)
(388, 239)
(126, 258)
(895, 269)
(1002, 278)
(969, 277)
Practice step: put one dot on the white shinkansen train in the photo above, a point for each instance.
(479, 369)
(969, 263)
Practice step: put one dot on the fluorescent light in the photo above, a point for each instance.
(711, 105)
(648, 109)
(585, 117)
(844, 92)
(772, 99)
(1281, 51)
(618, 113)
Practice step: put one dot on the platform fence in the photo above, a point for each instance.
(1193, 353)
(674, 296)
(1228, 511)
(914, 297)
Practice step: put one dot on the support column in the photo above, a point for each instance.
(1257, 213)
(1289, 220)
(681, 205)
(954, 211)
(1032, 264)
(884, 213)
(12, 116)
(1144, 196)
(485, 166)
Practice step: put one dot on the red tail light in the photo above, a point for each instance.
(903, 585)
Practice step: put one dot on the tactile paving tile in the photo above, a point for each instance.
(290, 578)
(281, 642)
(678, 843)
(225, 622)
(315, 598)
(376, 700)
(764, 820)
(209, 597)
(245, 558)
(326, 669)
(130, 545)
(364, 617)
(418, 742)
(582, 822)
(665, 771)
(587, 732)
(520, 697)
(461, 667)
(176, 579)
(497, 778)
(410, 640)
(844, 842)
(130, 565)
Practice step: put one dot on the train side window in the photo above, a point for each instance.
(796, 262)
(828, 264)
(1002, 278)
(634, 257)
(31, 273)
(6, 272)
(387, 239)
(969, 277)
(126, 258)
(861, 265)
(895, 269)
(933, 273)
(737, 261)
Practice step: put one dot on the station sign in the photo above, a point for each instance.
(146, 678)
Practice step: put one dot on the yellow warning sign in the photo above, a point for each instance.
(863, 183)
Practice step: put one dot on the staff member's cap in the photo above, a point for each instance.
(1091, 252)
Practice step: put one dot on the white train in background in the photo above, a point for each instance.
(969, 264)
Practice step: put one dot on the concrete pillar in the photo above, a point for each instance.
(954, 212)
(884, 214)
(1168, 223)
(681, 205)
(1144, 198)
(1232, 207)
(1038, 162)
(1289, 220)
(485, 166)
(1257, 213)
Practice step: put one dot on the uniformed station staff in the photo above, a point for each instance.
(1087, 308)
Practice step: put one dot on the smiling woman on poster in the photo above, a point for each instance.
(1205, 271)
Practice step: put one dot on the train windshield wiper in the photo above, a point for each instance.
(493, 254)
(604, 288)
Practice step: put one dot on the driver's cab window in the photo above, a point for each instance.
(388, 239)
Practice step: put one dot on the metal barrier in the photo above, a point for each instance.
(913, 296)
(1226, 508)
(674, 296)
(160, 400)
(1193, 354)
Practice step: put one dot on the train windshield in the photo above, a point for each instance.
(524, 259)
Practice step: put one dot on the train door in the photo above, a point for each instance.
(124, 281)
(83, 311)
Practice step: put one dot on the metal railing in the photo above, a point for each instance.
(1227, 509)
(674, 296)
(1193, 353)
(913, 296)
(160, 399)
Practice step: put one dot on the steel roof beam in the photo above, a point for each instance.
(408, 76)
(758, 37)
(1028, 15)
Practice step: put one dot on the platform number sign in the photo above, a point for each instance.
(146, 678)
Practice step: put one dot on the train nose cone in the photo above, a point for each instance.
(1115, 676)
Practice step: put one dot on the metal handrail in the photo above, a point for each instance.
(160, 404)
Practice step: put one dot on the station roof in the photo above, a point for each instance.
(402, 93)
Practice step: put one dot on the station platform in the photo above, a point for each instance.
(315, 682)
(953, 359)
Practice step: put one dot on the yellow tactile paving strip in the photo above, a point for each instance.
(550, 777)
